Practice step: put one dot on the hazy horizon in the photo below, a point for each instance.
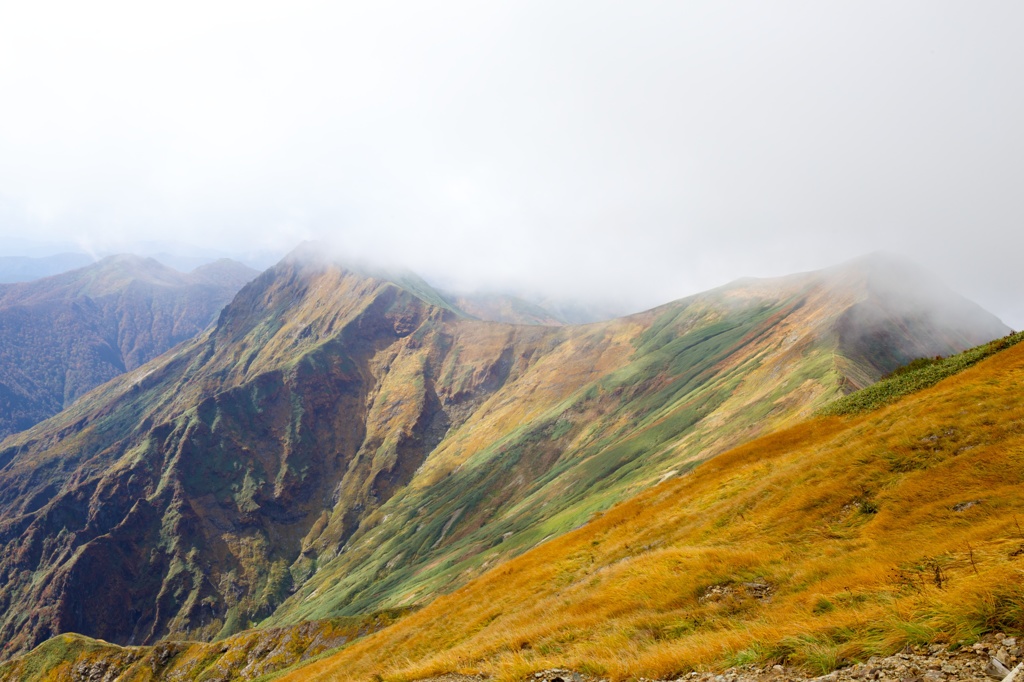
(579, 309)
(590, 150)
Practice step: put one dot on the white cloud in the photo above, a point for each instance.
(649, 149)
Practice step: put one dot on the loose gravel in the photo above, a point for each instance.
(990, 659)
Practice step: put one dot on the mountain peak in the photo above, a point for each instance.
(115, 270)
(314, 256)
(886, 271)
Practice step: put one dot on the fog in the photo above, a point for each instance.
(634, 152)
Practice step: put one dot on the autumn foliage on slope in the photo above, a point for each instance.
(825, 543)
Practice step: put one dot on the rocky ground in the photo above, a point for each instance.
(992, 658)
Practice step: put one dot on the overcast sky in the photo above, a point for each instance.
(643, 149)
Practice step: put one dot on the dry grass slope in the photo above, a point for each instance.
(251, 655)
(825, 543)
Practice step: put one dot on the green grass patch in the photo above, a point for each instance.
(916, 376)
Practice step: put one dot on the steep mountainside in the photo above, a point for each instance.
(826, 543)
(64, 335)
(339, 443)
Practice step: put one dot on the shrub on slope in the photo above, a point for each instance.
(918, 375)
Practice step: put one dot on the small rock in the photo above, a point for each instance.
(778, 668)
(996, 670)
(1009, 641)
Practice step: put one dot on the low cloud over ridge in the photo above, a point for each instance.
(589, 149)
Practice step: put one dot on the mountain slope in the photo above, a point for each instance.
(246, 656)
(64, 335)
(341, 443)
(698, 377)
(829, 542)
(549, 608)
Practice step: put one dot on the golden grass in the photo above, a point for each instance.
(851, 523)
(249, 655)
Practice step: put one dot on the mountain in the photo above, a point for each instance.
(823, 544)
(340, 443)
(62, 336)
(796, 548)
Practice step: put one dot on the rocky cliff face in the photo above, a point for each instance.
(339, 443)
(62, 336)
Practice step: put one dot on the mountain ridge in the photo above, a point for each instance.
(338, 444)
(658, 633)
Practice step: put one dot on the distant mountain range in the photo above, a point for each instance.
(28, 268)
(24, 260)
(342, 442)
(62, 336)
(492, 306)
